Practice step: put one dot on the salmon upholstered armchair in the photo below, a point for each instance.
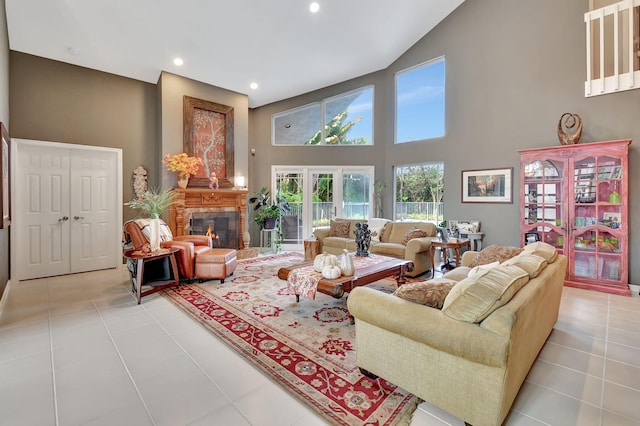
(135, 236)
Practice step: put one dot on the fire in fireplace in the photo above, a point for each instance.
(222, 227)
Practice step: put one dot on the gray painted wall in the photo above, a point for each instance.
(512, 68)
(54, 101)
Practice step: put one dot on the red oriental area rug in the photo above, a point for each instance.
(308, 348)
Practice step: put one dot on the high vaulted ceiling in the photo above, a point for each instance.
(278, 44)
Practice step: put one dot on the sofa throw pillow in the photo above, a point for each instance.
(339, 229)
(430, 293)
(386, 232)
(542, 249)
(532, 263)
(480, 270)
(376, 226)
(495, 253)
(413, 233)
(474, 299)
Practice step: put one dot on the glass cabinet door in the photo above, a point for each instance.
(544, 213)
(597, 233)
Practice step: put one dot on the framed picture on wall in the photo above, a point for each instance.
(5, 179)
(487, 186)
(208, 134)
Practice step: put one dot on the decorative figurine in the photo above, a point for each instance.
(569, 121)
(139, 181)
(213, 181)
(363, 239)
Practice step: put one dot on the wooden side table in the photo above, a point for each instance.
(444, 245)
(141, 260)
(311, 249)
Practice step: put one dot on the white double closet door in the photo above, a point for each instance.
(66, 209)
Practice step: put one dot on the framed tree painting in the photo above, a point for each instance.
(208, 134)
(5, 187)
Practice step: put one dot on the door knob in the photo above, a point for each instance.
(78, 218)
(63, 218)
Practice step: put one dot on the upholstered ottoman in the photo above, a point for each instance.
(217, 263)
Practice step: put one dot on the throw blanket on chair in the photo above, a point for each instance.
(145, 228)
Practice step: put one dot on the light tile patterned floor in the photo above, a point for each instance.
(79, 350)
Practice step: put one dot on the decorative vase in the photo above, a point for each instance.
(183, 181)
(347, 265)
(246, 239)
(154, 234)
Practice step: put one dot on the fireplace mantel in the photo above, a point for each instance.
(198, 198)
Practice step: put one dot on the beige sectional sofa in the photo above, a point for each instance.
(388, 239)
(467, 359)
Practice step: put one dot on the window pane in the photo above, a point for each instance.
(348, 119)
(355, 195)
(419, 192)
(297, 126)
(420, 98)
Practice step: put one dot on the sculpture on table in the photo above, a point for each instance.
(567, 122)
(363, 239)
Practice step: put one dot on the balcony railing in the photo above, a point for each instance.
(613, 48)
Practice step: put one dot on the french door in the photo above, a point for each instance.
(318, 194)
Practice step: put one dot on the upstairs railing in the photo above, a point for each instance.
(613, 48)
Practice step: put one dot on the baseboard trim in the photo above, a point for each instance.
(634, 288)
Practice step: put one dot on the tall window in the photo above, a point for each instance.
(420, 100)
(419, 190)
(346, 119)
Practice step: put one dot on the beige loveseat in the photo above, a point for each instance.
(387, 240)
(472, 370)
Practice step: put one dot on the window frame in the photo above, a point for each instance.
(421, 65)
(322, 125)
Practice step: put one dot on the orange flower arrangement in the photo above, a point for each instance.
(182, 164)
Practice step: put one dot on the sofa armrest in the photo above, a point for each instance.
(321, 233)
(467, 257)
(417, 245)
(197, 240)
(429, 326)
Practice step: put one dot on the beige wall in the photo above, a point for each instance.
(172, 89)
(507, 85)
(4, 118)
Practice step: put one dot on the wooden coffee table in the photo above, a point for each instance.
(363, 276)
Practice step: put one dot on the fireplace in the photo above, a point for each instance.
(222, 227)
(224, 209)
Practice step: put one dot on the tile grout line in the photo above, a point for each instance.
(604, 364)
(53, 366)
(189, 355)
(192, 359)
(133, 382)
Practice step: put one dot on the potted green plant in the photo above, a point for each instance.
(267, 211)
(154, 202)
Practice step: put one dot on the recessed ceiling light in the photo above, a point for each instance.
(254, 85)
(178, 61)
(314, 7)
